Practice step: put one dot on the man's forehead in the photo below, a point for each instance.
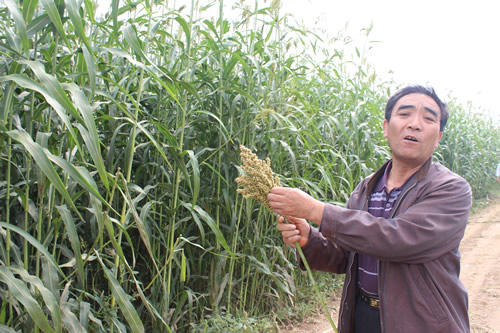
(415, 98)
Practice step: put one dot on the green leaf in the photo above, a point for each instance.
(150, 137)
(140, 224)
(85, 314)
(19, 291)
(91, 137)
(114, 15)
(197, 210)
(73, 239)
(91, 70)
(123, 300)
(53, 87)
(38, 24)
(41, 159)
(6, 103)
(131, 37)
(223, 128)
(164, 79)
(90, 11)
(33, 85)
(29, 7)
(71, 322)
(14, 45)
(50, 276)
(74, 14)
(51, 10)
(79, 175)
(197, 220)
(183, 266)
(186, 29)
(47, 295)
(33, 242)
(195, 176)
(20, 25)
(108, 224)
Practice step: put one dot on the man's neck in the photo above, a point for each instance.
(399, 174)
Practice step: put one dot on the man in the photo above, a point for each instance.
(397, 240)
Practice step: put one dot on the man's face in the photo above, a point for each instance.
(413, 132)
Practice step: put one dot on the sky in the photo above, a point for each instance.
(453, 46)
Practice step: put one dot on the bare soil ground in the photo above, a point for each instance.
(480, 272)
(480, 250)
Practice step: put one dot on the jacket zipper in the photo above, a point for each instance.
(344, 292)
(394, 210)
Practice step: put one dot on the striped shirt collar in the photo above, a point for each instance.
(382, 183)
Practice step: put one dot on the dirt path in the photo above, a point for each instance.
(480, 273)
(480, 250)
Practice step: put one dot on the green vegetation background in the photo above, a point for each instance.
(119, 144)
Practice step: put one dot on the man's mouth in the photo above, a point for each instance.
(411, 138)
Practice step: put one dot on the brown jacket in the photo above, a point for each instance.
(417, 250)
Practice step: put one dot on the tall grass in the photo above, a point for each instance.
(470, 147)
(119, 144)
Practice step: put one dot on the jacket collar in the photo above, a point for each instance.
(420, 174)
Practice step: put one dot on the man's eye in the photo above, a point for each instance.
(430, 119)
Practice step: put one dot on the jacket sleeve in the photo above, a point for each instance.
(323, 255)
(429, 223)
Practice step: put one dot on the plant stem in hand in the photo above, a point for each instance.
(313, 282)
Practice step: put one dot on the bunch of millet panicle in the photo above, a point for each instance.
(258, 179)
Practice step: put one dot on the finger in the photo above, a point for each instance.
(278, 190)
(291, 240)
(288, 243)
(287, 238)
(280, 219)
(273, 198)
(286, 227)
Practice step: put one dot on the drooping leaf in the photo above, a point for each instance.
(74, 240)
(203, 215)
(140, 225)
(48, 297)
(195, 176)
(123, 300)
(34, 243)
(20, 291)
(91, 68)
(70, 320)
(73, 10)
(52, 11)
(53, 87)
(20, 25)
(90, 136)
(41, 159)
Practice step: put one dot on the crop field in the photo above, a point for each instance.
(119, 146)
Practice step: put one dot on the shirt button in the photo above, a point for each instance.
(388, 205)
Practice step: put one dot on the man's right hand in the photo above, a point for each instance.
(297, 230)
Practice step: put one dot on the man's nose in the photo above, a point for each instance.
(414, 123)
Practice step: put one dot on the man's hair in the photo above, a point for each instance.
(417, 89)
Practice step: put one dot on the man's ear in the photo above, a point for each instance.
(385, 128)
(440, 136)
